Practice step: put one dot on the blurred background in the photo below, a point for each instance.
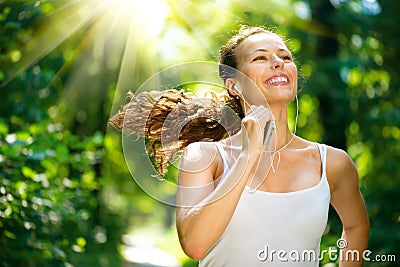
(66, 195)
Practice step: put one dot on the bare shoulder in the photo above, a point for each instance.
(340, 168)
(199, 157)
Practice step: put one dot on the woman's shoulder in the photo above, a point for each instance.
(337, 157)
(334, 155)
(199, 148)
(339, 166)
(200, 155)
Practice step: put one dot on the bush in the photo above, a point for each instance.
(49, 204)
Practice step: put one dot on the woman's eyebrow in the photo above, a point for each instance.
(264, 50)
(256, 50)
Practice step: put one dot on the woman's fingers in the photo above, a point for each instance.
(260, 114)
(254, 124)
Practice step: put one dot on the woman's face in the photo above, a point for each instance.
(266, 60)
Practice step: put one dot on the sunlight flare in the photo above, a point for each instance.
(145, 18)
(149, 15)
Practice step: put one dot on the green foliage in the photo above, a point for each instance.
(65, 190)
(49, 205)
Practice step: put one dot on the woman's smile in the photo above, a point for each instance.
(278, 80)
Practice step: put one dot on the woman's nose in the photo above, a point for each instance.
(278, 63)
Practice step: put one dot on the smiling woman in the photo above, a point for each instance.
(238, 189)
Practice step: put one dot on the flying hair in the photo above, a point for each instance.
(157, 115)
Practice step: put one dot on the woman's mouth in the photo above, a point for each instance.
(281, 79)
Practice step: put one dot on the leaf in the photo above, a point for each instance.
(62, 152)
(10, 234)
(81, 241)
(28, 172)
(3, 128)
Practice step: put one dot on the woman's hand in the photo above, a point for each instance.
(253, 132)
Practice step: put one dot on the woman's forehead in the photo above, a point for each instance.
(260, 41)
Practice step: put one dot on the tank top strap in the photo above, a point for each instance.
(322, 152)
(223, 156)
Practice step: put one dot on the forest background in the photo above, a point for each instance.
(67, 197)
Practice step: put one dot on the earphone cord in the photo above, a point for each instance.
(274, 152)
(293, 134)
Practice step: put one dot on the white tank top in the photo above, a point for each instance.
(274, 229)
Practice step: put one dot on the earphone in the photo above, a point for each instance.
(236, 89)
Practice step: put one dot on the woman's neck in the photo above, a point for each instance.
(283, 135)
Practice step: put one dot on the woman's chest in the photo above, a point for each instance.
(287, 172)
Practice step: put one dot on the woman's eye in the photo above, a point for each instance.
(259, 58)
(289, 58)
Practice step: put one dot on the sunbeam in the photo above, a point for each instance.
(53, 31)
(147, 17)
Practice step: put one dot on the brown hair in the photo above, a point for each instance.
(172, 119)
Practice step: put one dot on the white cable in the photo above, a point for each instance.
(273, 153)
(276, 151)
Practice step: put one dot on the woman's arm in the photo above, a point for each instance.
(204, 210)
(348, 202)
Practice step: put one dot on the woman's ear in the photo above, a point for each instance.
(230, 84)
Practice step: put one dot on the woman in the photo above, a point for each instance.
(240, 202)
(235, 221)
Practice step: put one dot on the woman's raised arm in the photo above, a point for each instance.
(204, 209)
